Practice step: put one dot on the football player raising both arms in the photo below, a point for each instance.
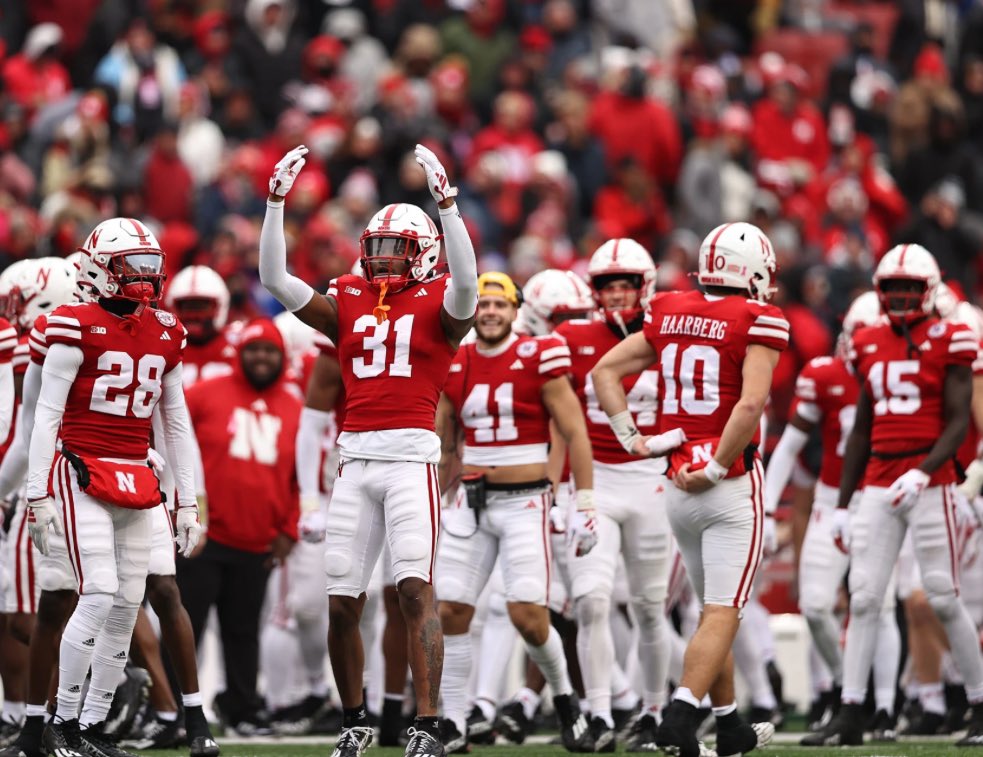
(502, 392)
(912, 416)
(716, 351)
(109, 364)
(396, 328)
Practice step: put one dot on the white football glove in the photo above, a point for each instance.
(286, 171)
(769, 536)
(156, 460)
(313, 526)
(905, 490)
(437, 182)
(970, 488)
(188, 529)
(583, 531)
(558, 520)
(41, 514)
(841, 530)
(664, 443)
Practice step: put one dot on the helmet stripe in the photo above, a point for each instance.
(614, 251)
(713, 246)
(141, 232)
(388, 217)
(904, 249)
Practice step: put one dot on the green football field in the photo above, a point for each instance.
(784, 745)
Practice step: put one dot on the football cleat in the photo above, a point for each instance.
(423, 744)
(641, 735)
(512, 722)
(95, 743)
(743, 738)
(605, 738)
(28, 741)
(974, 734)
(8, 731)
(455, 742)
(676, 735)
(926, 724)
(204, 746)
(128, 700)
(480, 730)
(63, 739)
(884, 727)
(352, 742)
(575, 731)
(846, 729)
(156, 734)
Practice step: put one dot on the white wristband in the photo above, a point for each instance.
(714, 472)
(585, 500)
(624, 428)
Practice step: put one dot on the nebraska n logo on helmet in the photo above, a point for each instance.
(122, 259)
(739, 256)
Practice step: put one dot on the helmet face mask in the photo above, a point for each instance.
(906, 281)
(200, 299)
(399, 245)
(139, 274)
(198, 315)
(615, 263)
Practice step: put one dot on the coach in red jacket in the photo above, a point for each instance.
(246, 425)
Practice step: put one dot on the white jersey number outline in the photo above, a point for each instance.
(119, 367)
(375, 344)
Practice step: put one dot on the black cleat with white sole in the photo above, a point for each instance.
(423, 744)
(455, 742)
(641, 735)
(512, 722)
(846, 729)
(62, 739)
(974, 734)
(352, 742)
(605, 737)
(574, 729)
(736, 737)
(480, 729)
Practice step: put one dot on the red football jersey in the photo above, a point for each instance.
(120, 380)
(326, 347)
(215, 358)
(906, 391)
(248, 443)
(498, 398)
(36, 340)
(588, 341)
(393, 371)
(21, 355)
(826, 394)
(701, 341)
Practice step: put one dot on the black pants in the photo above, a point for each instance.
(234, 582)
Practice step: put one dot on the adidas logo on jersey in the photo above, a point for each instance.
(588, 350)
(421, 293)
(516, 366)
(165, 337)
(97, 330)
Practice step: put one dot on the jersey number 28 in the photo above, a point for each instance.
(120, 368)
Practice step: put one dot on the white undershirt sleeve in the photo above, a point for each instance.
(314, 424)
(14, 465)
(291, 292)
(780, 466)
(61, 366)
(461, 295)
(179, 439)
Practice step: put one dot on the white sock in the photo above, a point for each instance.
(529, 700)
(595, 649)
(454, 681)
(821, 678)
(487, 709)
(727, 709)
(623, 696)
(279, 657)
(964, 646)
(312, 637)
(677, 652)
(36, 711)
(78, 645)
(653, 652)
(13, 712)
(683, 694)
(112, 649)
(551, 661)
(167, 717)
(757, 618)
(825, 632)
(932, 697)
(191, 700)
(887, 660)
(861, 638)
(748, 660)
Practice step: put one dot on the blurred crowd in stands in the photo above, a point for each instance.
(840, 128)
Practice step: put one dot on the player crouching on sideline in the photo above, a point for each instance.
(397, 329)
(717, 351)
(108, 366)
(502, 392)
(912, 415)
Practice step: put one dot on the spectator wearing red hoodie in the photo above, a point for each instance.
(35, 76)
(789, 135)
(632, 206)
(167, 182)
(246, 425)
(632, 125)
